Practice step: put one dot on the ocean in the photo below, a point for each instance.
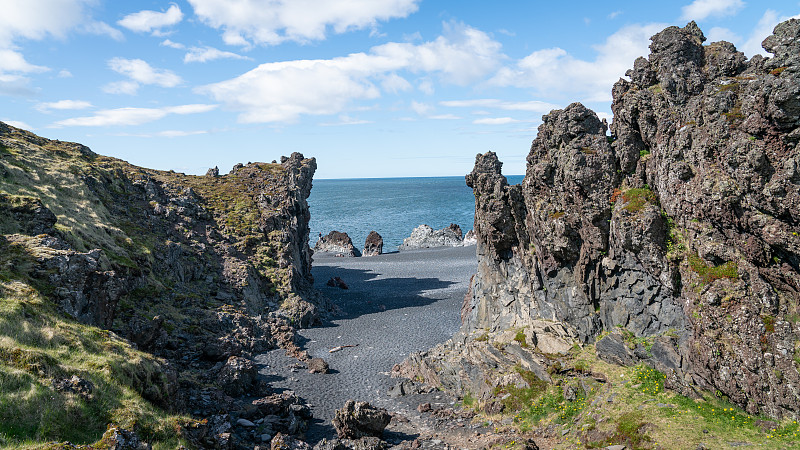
(391, 206)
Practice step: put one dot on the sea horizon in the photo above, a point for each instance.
(392, 206)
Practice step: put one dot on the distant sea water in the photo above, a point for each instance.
(391, 206)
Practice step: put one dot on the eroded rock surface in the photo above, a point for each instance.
(360, 419)
(336, 242)
(373, 245)
(680, 226)
(426, 237)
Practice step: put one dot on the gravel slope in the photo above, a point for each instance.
(396, 304)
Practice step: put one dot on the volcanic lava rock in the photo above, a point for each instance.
(373, 245)
(426, 237)
(360, 419)
(336, 242)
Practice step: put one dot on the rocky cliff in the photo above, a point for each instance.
(680, 226)
(199, 272)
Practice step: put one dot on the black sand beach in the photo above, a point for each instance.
(396, 304)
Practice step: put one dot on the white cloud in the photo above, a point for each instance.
(421, 108)
(426, 86)
(553, 73)
(168, 43)
(64, 73)
(205, 54)
(152, 21)
(131, 116)
(717, 34)
(121, 87)
(346, 120)
(495, 121)
(139, 72)
(533, 106)
(15, 85)
(37, 19)
(179, 133)
(18, 124)
(463, 53)
(764, 28)
(103, 29)
(13, 61)
(701, 9)
(271, 22)
(614, 15)
(283, 91)
(444, 117)
(395, 83)
(63, 105)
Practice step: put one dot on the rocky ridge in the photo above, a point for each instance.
(196, 274)
(680, 229)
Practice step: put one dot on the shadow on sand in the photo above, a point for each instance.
(367, 295)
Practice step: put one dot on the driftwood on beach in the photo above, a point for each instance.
(336, 349)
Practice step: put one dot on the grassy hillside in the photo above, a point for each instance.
(183, 261)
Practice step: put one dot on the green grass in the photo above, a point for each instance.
(643, 413)
(38, 346)
(637, 198)
(709, 274)
(648, 380)
(521, 339)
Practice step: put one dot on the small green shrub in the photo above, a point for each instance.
(469, 400)
(777, 71)
(651, 380)
(709, 274)
(638, 198)
(521, 339)
(769, 323)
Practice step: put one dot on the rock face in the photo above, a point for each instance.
(373, 245)
(336, 242)
(426, 237)
(681, 227)
(360, 419)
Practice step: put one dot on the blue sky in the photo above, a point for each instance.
(371, 88)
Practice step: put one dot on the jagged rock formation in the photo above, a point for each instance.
(373, 245)
(360, 419)
(193, 270)
(470, 238)
(426, 237)
(336, 242)
(681, 227)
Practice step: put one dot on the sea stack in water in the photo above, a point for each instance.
(373, 246)
(426, 237)
(336, 242)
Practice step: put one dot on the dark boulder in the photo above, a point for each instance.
(238, 376)
(360, 419)
(317, 365)
(373, 245)
(337, 282)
